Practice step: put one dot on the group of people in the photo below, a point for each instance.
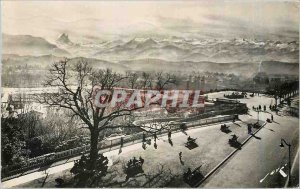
(224, 127)
(274, 107)
(259, 108)
(189, 172)
(155, 136)
(190, 139)
(134, 162)
(149, 141)
(234, 137)
(253, 94)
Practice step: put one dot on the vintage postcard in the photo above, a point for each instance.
(150, 94)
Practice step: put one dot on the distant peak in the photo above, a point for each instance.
(64, 39)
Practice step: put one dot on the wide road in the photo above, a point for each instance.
(261, 162)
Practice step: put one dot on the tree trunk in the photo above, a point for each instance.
(94, 148)
(280, 100)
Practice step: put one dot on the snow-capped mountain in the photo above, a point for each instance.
(171, 48)
(216, 50)
(64, 40)
(30, 45)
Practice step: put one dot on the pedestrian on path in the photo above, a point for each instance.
(122, 142)
(272, 117)
(180, 156)
(155, 136)
(144, 137)
(142, 160)
(249, 129)
(134, 161)
(169, 134)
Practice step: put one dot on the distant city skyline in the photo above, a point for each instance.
(112, 19)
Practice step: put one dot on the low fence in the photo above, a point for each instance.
(104, 146)
(141, 122)
(240, 108)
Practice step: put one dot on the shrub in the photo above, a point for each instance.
(87, 175)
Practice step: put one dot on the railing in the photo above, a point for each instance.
(139, 122)
(196, 116)
(104, 146)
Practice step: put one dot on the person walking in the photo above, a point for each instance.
(134, 161)
(122, 142)
(180, 156)
(169, 134)
(155, 136)
(249, 129)
(189, 171)
(144, 137)
(272, 117)
(142, 160)
(129, 163)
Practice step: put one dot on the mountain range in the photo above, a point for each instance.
(30, 45)
(214, 50)
(240, 56)
(64, 40)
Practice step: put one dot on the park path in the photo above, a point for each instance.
(261, 162)
(212, 149)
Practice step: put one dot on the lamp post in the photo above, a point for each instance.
(289, 146)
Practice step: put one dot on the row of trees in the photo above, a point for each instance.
(12, 141)
(27, 136)
(283, 90)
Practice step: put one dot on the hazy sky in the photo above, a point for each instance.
(271, 19)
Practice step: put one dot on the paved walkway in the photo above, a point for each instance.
(261, 163)
(213, 148)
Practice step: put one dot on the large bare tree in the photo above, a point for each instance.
(76, 84)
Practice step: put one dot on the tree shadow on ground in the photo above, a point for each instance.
(237, 124)
(157, 178)
(269, 129)
(227, 131)
(184, 132)
(259, 138)
(181, 162)
(45, 167)
(191, 145)
(43, 180)
(170, 141)
(249, 114)
(236, 145)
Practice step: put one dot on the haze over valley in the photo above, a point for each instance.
(207, 40)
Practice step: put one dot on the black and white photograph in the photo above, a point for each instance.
(150, 94)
